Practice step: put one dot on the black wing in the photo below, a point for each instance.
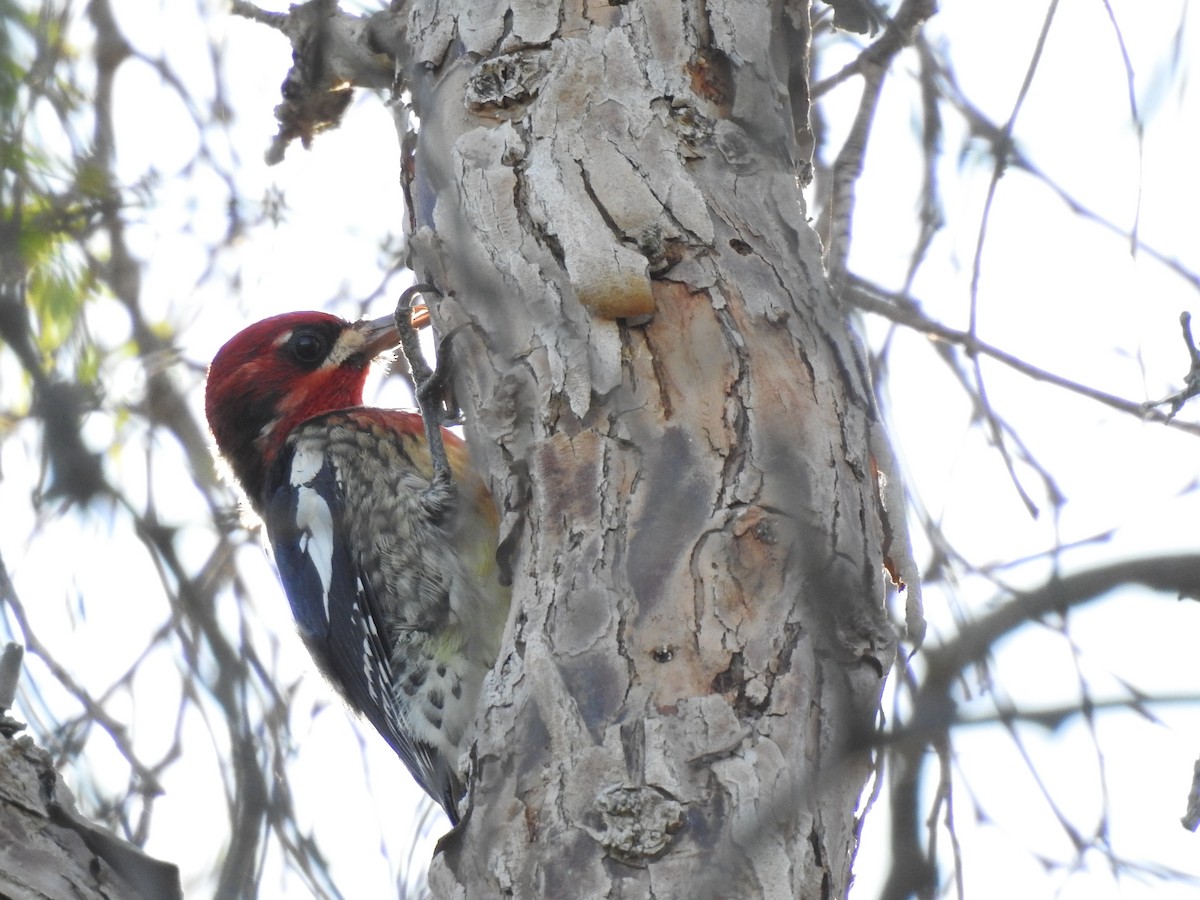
(337, 613)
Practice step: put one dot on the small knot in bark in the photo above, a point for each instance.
(634, 823)
(505, 84)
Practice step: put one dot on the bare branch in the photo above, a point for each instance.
(905, 311)
(933, 708)
(873, 65)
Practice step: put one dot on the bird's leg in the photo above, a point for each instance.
(430, 389)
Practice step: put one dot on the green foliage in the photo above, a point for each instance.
(48, 203)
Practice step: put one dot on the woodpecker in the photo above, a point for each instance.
(392, 578)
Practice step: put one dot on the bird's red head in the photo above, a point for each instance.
(279, 372)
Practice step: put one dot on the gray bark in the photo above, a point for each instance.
(677, 426)
(47, 852)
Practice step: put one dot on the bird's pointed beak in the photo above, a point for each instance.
(379, 335)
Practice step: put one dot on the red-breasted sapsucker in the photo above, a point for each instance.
(393, 583)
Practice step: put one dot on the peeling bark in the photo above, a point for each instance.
(677, 426)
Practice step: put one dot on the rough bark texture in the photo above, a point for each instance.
(47, 852)
(677, 426)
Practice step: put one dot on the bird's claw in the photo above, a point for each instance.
(430, 389)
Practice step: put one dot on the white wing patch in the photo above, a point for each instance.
(314, 519)
(306, 462)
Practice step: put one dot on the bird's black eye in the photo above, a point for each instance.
(308, 347)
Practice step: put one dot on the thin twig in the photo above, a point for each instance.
(1000, 164)
(1191, 381)
(933, 708)
(906, 311)
(873, 64)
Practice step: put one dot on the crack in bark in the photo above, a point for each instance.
(660, 376)
(735, 461)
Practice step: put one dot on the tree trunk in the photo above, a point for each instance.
(677, 423)
(48, 852)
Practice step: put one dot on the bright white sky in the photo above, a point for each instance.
(1056, 291)
(1064, 295)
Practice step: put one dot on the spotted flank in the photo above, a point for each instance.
(392, 580)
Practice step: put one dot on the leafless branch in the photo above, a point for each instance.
(906, 311)
(933, 708)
